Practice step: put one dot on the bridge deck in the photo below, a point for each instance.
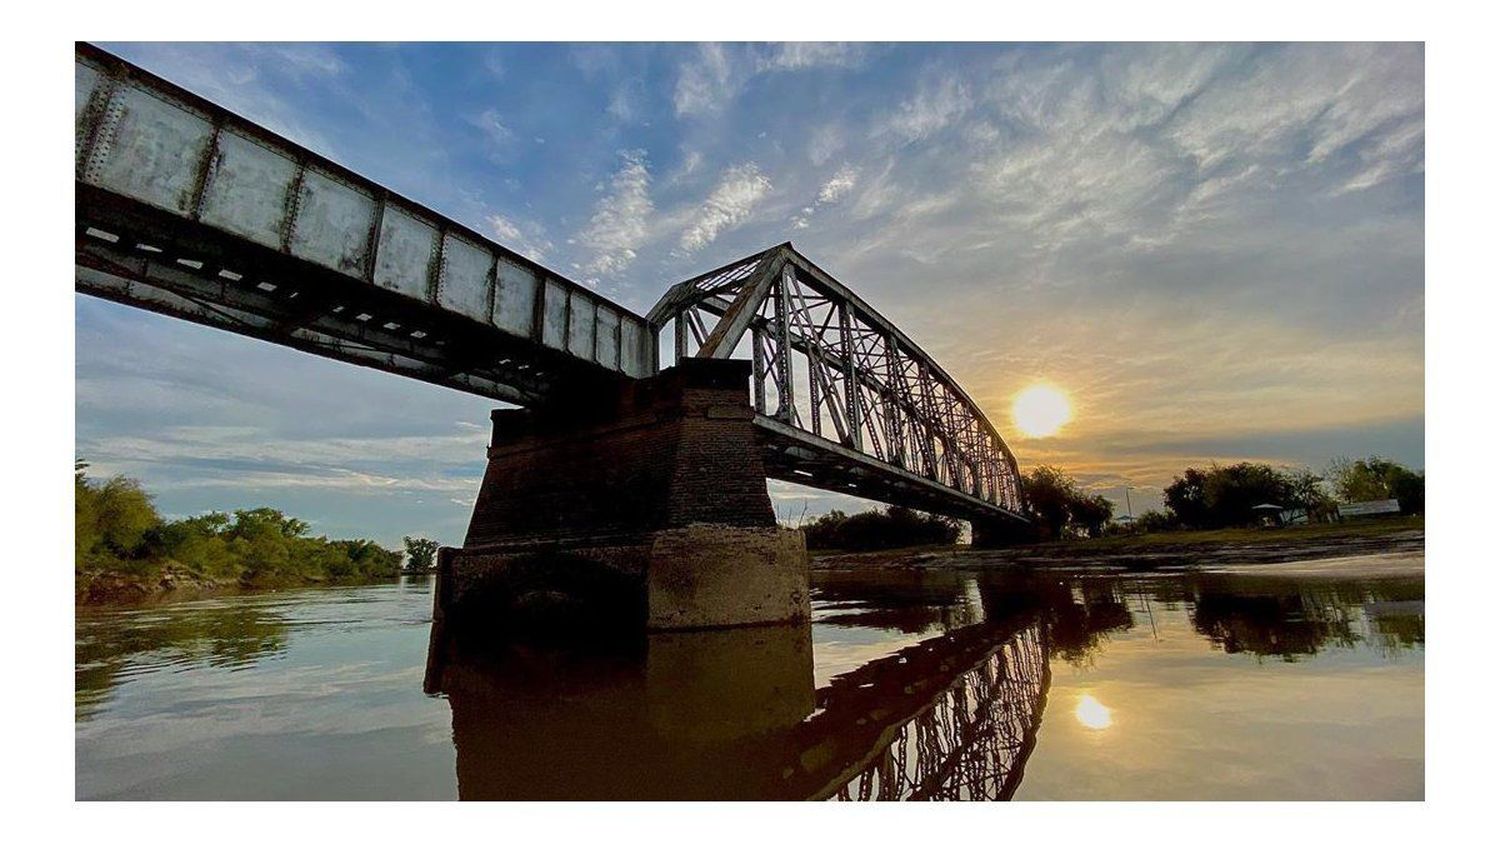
(188, 209)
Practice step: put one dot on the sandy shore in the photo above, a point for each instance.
(1291, 552)
(1396, 564)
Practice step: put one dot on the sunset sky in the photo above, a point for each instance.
(1215, 251)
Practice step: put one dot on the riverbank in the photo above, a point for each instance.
(1170, 550)
(107, 588)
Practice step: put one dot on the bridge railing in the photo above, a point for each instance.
(143, 139)
(828, 365)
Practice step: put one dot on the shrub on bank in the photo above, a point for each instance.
(893, 527)
(119, 531)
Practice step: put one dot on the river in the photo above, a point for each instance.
(907, 684)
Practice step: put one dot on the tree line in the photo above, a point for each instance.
(1224, 496)
(117, 529)
(1200, 498)
(892, 527)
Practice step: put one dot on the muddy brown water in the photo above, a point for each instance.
(1244, 684)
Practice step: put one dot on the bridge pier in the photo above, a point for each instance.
(643, 508)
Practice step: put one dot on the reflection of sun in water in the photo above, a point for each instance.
(1092, 714)
(1041, 410)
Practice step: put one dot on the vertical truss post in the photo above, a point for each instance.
(784, 403)
(815, 393)
(758, 384)
(933, 425)
(895, 425)
(679, 336)
(851, 382)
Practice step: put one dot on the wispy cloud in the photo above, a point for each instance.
(931, 110)
(832, 191)
(706, 82)
(709, 81)
(619, 222)
(824, 142)
(527, 238)
(801, 55)
(740, 189)
(501, 138)
(839, 186)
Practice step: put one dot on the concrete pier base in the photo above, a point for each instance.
(642, 509)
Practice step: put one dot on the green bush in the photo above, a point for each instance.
(421, 552)
(118, 529)
(1375, 478)
(893, 527)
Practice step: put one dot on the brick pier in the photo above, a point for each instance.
(646, 508)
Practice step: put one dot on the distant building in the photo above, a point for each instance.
(1359, 509)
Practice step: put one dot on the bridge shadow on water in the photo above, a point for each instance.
(736, 714)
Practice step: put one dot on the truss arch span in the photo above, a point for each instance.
(845, 399)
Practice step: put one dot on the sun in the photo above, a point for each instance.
(1041, 410)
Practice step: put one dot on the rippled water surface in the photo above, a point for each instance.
(906, 685)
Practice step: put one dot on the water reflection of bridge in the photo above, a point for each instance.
(733, 714)
(972, 741)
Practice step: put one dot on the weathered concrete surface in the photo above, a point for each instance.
(558, 587)
(699, 576)
(714, 576)
(644, 508)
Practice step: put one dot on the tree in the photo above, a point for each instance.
(421, 552)
(112, 520)
(1089, 513)
(1059, 508)
(85, 516)
(1374, 478)
(823, 531)
(1049, 496)
(1305, 491)
(1187, 498)
(1410, 489)
(1232, 492)
(1225, 496)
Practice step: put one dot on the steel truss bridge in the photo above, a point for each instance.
(186, 209)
